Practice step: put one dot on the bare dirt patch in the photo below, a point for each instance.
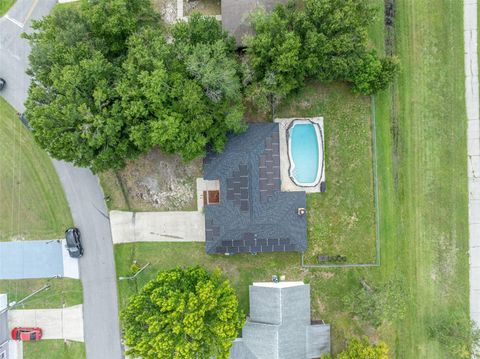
(167, 9)
(204, 7)
(153, 182)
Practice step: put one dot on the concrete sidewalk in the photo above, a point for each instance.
(61, 323)
(130, 227)
(473, 143)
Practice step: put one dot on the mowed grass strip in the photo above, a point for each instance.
(340, 221)
(33, 205)
(428, 171)
(53, 349)
(63, 292)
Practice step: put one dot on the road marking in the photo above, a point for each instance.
(29, 13)
(16, 22)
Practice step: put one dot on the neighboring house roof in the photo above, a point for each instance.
(4, 333)
(235, 15)
(279, 326)
(253, 214)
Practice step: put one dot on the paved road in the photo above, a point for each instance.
(85, 197)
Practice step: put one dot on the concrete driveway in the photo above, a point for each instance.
(130, 227)
(84, 195)
(31, 259)
(62, 323)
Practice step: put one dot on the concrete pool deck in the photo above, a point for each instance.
(287, 184)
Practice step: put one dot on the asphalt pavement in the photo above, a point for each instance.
(83, 191)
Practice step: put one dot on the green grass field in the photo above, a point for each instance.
(341, 221)
(62, 292)
(5, 5)
(421, 143)
(53, 349)
(33, 205)
(423, 170)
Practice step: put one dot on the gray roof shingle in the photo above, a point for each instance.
(253, 214)
(279, 326)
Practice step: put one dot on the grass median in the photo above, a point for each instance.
(33, 204)
(53, 349)
(63, 292)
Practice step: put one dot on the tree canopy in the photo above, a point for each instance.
(182, 313)
(107, 85)
(324, 39)
(110, 82)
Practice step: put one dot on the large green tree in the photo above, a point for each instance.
(107, 86)
(188, 91)
(324, 39)
(182, 313)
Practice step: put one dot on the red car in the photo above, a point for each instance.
(26, 334)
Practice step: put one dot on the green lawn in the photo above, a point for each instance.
(341, 221)
(241, 270)
(62, 292)
(5, 5)
(423, 170)
(33, 205)
(421, 143)
(53, 349)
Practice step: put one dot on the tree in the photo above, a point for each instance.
(187, 94)
(107, 86)
(182, 313)
(363, 349)
(73, 103)
(323, 39)
(454, 330)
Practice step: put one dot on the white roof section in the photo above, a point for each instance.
(278, 285)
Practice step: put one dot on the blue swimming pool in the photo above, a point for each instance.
(304, 140)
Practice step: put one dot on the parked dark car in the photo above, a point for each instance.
(24, 120)
(2, 83)
(26, 334)
(74, 246)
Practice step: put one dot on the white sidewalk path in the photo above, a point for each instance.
(473, 144)
(130, 227)
(62, 323)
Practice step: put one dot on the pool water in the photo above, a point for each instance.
(304, 153)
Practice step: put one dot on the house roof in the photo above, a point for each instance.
(279, 326)
(253, 214)
(4, 333)
(235, 15)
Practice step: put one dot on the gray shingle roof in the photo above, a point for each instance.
(253, 214)
(279, 326)
(235, 15)
(4, 332)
